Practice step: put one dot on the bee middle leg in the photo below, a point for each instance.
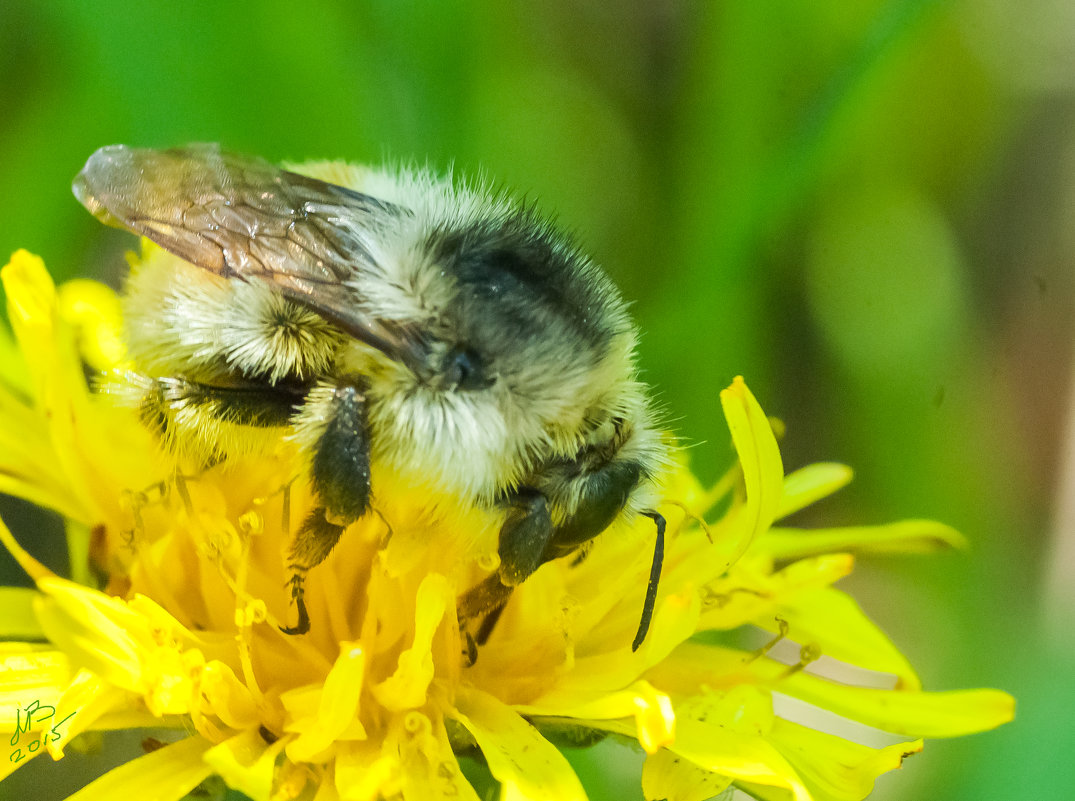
(339, 451)
(340, 477)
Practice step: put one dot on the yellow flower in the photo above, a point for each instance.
(381, 698)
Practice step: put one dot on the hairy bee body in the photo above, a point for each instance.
(385, 323)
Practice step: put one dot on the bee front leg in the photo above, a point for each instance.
(602, 494)
(340, 476)
(524, 537)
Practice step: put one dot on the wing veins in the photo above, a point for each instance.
(244, 218)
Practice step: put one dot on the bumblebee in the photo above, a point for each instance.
(391, 318)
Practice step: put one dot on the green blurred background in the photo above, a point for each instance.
(865, 208)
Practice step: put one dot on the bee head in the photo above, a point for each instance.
(526, 352)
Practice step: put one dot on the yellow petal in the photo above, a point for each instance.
(835, 768)
(337, 706)
(90, 702)
(694, 665)
(167, 774)
(326, 790)
(338, 709)
(13, 372)
(763, 471)
(30, 671)
(34, 569)
(587, 685)
(32, 678)
(738, 599)
(837, 625)
(810, 484)
(526, 764)
(406, 688)
(28, 461)
(74, 427)
(31, 294)
(914, 714)
(668, 777)
(169, 678)
(93, 629)
(743, 708)
(40, 494)
(93, 310)
(429, 769)
(246, 763)
(365, 771)
(604, 706)
(606, 592)
(224, 696)
(56, 374)
(17, 618)
(79, 562)
(742, 757)
(675, 619)
(905, 536)
(655, 718)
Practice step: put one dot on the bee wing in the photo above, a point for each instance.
(243, 217)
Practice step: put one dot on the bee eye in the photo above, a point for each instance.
(463, 369)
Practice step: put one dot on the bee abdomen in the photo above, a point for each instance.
(200, 419)
(259, 405)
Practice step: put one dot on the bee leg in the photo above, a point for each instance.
(488, 624)
(297, 592)
(602, 496)
(340, 476)
(524, 536)
(486, 600)
(311, 546)
(340, 471)
(654, 580)
(470, 648)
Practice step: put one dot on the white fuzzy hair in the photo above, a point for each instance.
(475, 446)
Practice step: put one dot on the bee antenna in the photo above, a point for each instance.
(654, 580)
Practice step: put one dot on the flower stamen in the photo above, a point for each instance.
(808, 653)
(782, 632)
